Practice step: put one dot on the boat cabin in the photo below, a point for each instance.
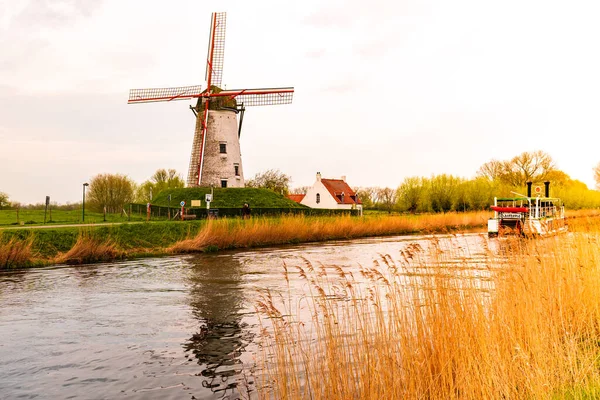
(527, 215)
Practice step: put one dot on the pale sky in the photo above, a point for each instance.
(384, 89)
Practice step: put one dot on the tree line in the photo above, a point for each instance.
(496, 178)
(112, 192)
(438, 193)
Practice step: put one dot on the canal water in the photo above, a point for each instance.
(161, 328)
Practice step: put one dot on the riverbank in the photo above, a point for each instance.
(26, 248)
(31, 248)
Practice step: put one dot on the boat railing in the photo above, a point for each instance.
(546, 212)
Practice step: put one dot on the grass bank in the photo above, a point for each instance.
(68, 245)
(55, 245)
(524, 325)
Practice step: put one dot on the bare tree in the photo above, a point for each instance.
(300, 190)
(527, 166)
(366, 196)
(271, 179)
(387, 198)
(492, 170)
(534, 166)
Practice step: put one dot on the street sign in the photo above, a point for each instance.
(208, 197)
(182, 203)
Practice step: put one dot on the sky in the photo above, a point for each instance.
(383, 90)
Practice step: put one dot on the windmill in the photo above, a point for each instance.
(216, 157)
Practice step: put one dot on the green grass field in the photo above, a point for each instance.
(36, 217)
(226, 198)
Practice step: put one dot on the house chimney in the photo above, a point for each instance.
(529, 188)
(547, 188)
(318, 176)
(344, 178)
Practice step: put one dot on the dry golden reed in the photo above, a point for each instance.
(88, 249)
(525, 325)
(235, 233)
(16, 253)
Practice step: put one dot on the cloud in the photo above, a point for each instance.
(342, 87)
(52, 13)
(315, 53)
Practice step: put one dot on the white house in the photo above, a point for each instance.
(330, 194)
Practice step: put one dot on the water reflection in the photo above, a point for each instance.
(217, 300)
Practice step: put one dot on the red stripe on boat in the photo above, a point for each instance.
(510, 209)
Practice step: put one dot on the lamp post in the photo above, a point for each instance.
(83, 204)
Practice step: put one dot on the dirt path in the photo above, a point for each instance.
(66, 225)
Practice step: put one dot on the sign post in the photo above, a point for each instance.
(148, 209)
(182, 204)
(46, 209)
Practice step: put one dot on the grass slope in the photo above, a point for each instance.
(226, 198)
(135, 238)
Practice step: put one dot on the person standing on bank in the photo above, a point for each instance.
(246, 211)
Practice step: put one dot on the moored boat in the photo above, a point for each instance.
(528, 215)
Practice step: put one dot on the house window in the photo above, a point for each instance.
(223, 148)
(342, 197)
(318, 198)
(236, 167)
(223, 183)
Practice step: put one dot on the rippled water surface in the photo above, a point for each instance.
(176, 327)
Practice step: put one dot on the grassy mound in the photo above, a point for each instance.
(226, 198)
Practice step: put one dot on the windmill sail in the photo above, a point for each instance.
(260, 97)
(216, 50)
(164, 94)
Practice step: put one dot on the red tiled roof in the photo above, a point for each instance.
(336, 187)
(296, 197)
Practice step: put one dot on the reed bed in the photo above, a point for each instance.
(526, 324)
(585, 213)
(236, 233)
(90, 249)
(15, 253)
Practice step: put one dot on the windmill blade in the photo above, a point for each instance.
(164, 94)
(259, 97)
(216, 50)
(198, 145)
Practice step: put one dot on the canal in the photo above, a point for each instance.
(161, 328)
